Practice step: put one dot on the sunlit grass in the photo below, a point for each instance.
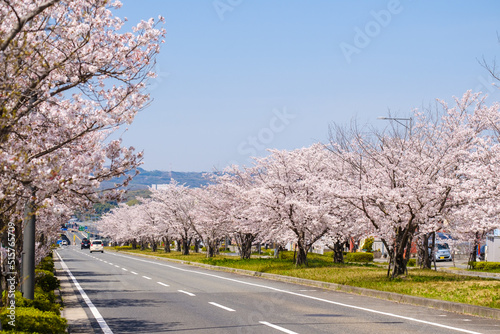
(421, 283)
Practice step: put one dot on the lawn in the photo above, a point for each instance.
(421, 283)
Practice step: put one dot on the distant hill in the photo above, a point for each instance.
(147, 178)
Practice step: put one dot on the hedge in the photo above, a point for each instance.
(32, 320)
(46, 280)
(358, 257)
(485, 265)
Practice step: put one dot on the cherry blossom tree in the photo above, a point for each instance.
(407, 184)
(290, 197)
(235, 189)
(69, 77)
(177, 205)
(212, 222)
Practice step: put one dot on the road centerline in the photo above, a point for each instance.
(187, 293)
(284, 330)
(222, 307)
(393, 315)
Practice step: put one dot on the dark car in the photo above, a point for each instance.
(85, 243)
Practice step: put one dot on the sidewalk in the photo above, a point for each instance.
(78, 321)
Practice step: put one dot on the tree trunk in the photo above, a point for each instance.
(424, 256)
(211, 246)
(166, 241)
(179, 248)
(154, 245)
(196, 245)
(186, 243)
(338, 252)
(134, 244)
(402, 240)
(244, 242)
(473, 253)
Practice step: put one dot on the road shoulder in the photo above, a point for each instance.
(78, 321)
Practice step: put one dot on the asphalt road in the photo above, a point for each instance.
(130, 294)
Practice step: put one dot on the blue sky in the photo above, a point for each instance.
(238, 76)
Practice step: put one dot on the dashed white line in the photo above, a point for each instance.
(117, 266)
(305, 296)
(125, 269)
(146, 277)
(187, 293)
(222, 307)
(162, 284)
(284, 330)
(133, 272)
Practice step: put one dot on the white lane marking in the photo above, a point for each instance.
(133, 272)
(146, 277)
(162, 284)
(306, 296)
(124, 269)
(117, 266)
(187, 293)
(222, 307)
(110, 263)
(277, 327)
(100, 320)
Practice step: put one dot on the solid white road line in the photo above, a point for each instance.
(187, 293)
(222, 307)
(309, 297)
(277, 327)
(162, 284)
(100, 320)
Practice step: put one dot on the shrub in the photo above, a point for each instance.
(46, 280)
(47, 263)
(358, 257)
(368, 244)
(412, 263)
(485, 265)
(32, 320)
(123, 247)
(44, 301)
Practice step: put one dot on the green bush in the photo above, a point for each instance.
(32, 320)
(358, 257)
(368, 244)
(44, 301)
(485, 265)
(46, 280)
(412, 263)
(47, 263)
(123, 247)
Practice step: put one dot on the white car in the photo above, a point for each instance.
(96, 246)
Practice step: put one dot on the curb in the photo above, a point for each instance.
(443, 305)
(472, 273)
(73, 312)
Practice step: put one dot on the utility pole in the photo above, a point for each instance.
(28, 254)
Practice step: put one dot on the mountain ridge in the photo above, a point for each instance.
(147, 178)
